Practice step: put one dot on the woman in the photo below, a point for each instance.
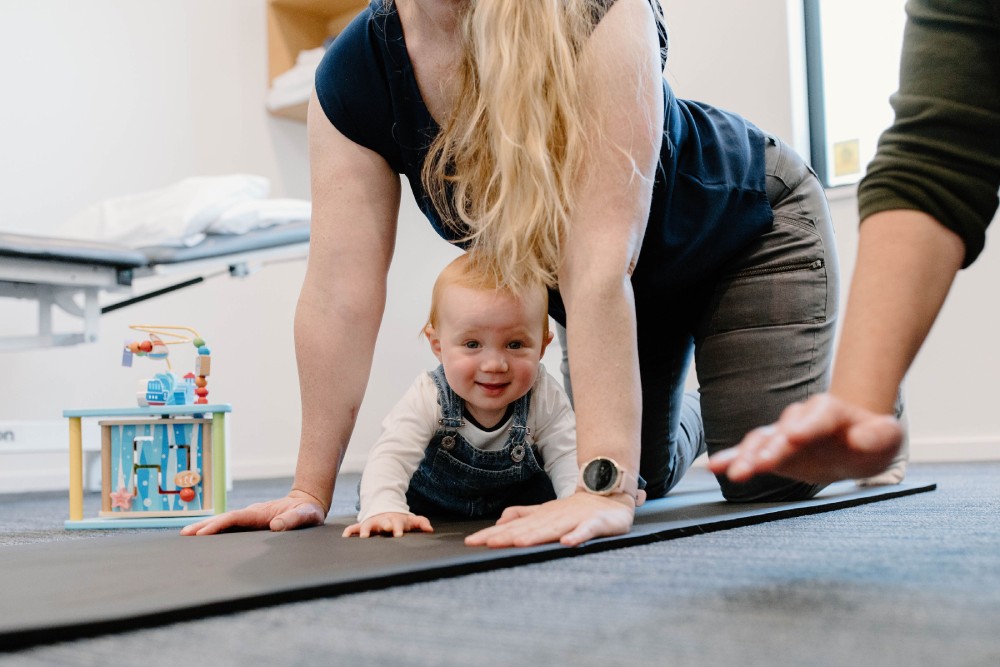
(543, 133)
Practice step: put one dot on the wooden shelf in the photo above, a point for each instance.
(298, 25)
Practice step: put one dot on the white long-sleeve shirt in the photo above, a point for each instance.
(409, 427)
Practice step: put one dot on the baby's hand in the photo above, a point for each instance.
(391, 523)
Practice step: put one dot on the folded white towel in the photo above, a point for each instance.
(175, 215)
(295, 85)
(260, 213)
(304, 69)
(286, 96)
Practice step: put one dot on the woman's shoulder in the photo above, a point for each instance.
(351, 55)
(352, 80)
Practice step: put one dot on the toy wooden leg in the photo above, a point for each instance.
(219, 462)
(106, 469)
(75, 469)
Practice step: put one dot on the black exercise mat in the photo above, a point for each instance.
(55, 591)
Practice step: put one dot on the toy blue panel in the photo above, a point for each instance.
(122, 438)
(146, 459)
(148, 498)
(181, 435)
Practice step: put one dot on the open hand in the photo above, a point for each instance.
(821, 440)
(296, 510)
(390, 523)
(570, 521)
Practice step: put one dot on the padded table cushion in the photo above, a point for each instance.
(70, 250)
(220, 245)
(49, 248)
(55, 591)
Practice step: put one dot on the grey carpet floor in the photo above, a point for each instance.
(908, 581)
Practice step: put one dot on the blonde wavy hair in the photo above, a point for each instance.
(501, 172)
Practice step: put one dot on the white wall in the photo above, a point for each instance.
(111, 97)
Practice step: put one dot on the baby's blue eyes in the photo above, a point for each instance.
(474, 344)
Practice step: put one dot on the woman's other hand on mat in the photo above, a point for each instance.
(296, 510)
(390, 523)
(822, 440)
(570, 521)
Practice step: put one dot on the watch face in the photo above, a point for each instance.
(600, 475)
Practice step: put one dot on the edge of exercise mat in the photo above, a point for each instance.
(695, 518)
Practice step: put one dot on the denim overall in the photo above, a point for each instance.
(457, 479)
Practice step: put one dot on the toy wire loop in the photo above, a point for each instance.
(169, 388)
(156, 347)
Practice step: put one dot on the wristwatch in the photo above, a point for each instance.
(603, 476)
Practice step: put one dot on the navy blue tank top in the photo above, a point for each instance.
(708, 198)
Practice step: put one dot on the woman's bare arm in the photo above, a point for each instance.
(355, 197)
(623, 80)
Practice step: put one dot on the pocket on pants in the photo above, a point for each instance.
(781, 279)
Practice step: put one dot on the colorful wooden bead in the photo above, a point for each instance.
(203, 365)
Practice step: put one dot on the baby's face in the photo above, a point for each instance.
(490, 345)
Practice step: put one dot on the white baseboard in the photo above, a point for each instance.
(939, 449)
(41, 473)
(283, 466)
(44, 435)
(34, 455)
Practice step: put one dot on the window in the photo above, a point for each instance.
(852, 65)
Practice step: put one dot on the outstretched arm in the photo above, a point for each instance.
(623, 81)
(906, 264)
(355, 205)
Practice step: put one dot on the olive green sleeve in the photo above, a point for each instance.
(942, 153)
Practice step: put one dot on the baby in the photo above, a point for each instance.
(488, 429)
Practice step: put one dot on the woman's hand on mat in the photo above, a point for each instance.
(390, 523)
(296, 510)
(821, 440)
(570, 521)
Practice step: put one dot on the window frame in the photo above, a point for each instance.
(825, 153)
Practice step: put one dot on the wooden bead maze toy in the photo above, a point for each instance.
(164, 465)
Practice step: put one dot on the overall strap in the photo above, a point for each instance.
(519, 430)
(451, 404)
